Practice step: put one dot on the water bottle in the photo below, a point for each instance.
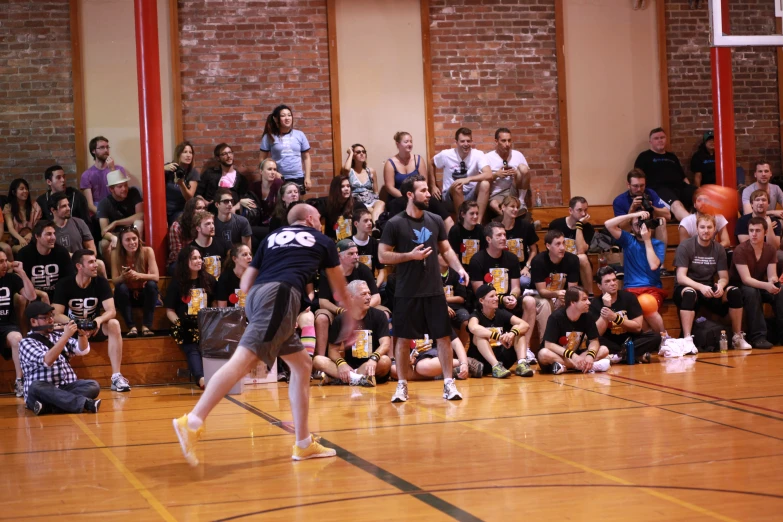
(724, 342)
(538, 199)
(629, 351)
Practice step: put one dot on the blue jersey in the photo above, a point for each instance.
(292, 255)
(637, 268)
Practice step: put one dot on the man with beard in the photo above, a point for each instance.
(763, 174)
(212, 248)
(511, 173)
(220, 172)
(123, 207)
(55, 180)
(638, 197)
(412, 240)
(93, 180)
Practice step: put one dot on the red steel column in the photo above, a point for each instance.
(151, 128)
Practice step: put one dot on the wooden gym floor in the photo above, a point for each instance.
(688, 439)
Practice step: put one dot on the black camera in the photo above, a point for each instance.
(86, 324)
(652, 223)
(180, 172)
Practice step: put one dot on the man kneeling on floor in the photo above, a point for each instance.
(50, 384)
(571, 338)
(367, 361)
(497, 337)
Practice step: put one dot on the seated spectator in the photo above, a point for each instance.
(618, 317)
(498, 267)
(338, 211)
(266, 191)
(232, 228)
(80, 297)
(5, 247)
(643, 257)
(363, 180)
(123, 207)
(424, 365)
(13, 281)
(55, 180)
(72, 232)
(467, 236)
(466, 173)
(497, 336)
(93, 180)
(367, 362)
(402, 166)
(227, 290)
(570, 341)
(134, 272)
(551, 272)
(703, 162)
(638, 198)
(20, 214)
(219, 172)
(665, 175)
(367, 245)
(511, 173)
(456, 298)
(44, 261)
(50, 384)
(687, 226)
(521, 237)
(182, 231)
(754, 271)
(213, 249)
(182, 179)
(698, 260)
(762, 173)
(328, 308)
(193, 283)
(578, 233)
(759, 208)
(288, 194)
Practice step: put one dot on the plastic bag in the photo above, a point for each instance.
(221, 329)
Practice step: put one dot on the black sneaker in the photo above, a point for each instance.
(37, 407)
(92, 405)
(762, 344)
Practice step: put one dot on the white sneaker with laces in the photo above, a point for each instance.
(401, 393)
(601, 366)
(450, 392)
(120, 384)
(530, 357)
(739, 342)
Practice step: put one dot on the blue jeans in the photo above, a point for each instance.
(68, 398)
(126, 300)
(195, 364)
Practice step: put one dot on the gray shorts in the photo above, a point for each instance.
(272, 309)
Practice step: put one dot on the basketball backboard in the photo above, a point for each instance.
(719, 39)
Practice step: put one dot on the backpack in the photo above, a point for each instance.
(706, 334)
(601, 243)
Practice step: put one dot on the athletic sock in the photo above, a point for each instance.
(114, 375)
(303, 444)
(448, 381)
(308, 339)
(194, 422)
(402, 381)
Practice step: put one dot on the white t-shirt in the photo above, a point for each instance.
(775, 195)
(449, 161)
(496, 163)
(689, 224)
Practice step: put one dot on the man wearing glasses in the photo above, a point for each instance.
(93, 180)
(230, 227)
(123, 207)
(220, 172)
(466, 174)
(50, 384)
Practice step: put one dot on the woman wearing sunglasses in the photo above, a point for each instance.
(363, 180)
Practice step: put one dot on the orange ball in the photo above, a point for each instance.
(649, 304)
(715, 199)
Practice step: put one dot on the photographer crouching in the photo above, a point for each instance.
(50, 384)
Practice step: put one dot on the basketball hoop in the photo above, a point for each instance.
(719, 39)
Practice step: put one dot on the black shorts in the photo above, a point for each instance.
(6, 329)
(715, 305)
(416, 316)
(682, 193)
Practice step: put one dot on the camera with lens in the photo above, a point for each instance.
(86, 324)
(180, 172)
(652, 223)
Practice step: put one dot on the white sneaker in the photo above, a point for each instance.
(739, 342)
(689, 347)
(615, 358)
(401, 393)
(530, 357)
(450, 392)
(601, 366)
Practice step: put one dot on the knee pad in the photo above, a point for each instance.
(734, 297)
(688, 300)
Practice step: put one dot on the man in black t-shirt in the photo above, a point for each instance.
(618, 317)
(44, 261)
(578, 233)
(368, 245)
(570, 341)
(275, 282)
(212, 248)
(55, 180)
(328, 309)
(497, 266)
(13, 281)
(412, 240)
(123, 207)
(80, 297)
(497, 336)
(366, 361)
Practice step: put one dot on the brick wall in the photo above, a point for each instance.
(36, 126)
(494, 64)
(690, 83)
(240, 59)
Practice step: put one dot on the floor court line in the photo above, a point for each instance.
(607, 476)
(713, 363)
(128, 474)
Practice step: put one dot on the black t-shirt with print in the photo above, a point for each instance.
(520, 238)
(452, 286)
(368, 254)
(174, 296)
(627, 304)
(570, 233)
(10, 285)
(576, 334)
(216, 252)
(499, 272)
(359, 272)
(501, 320)
(82, 303)
(369, 330)
(226, 286)
(45, 271)
(466, 243)
(555, 276)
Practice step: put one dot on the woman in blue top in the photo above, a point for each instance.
(364, 180)
(287, 146)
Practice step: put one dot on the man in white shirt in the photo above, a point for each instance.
(466, 174)
(762, 174)
(510, 171)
